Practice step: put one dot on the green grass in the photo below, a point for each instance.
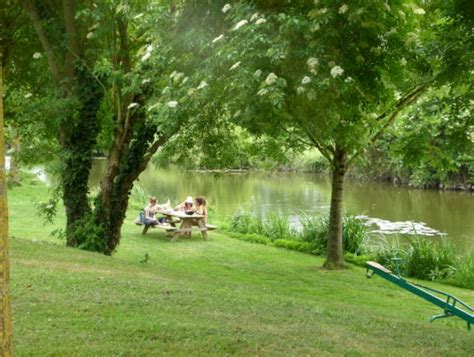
(220, 297)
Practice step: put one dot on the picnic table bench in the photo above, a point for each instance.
(188, 223)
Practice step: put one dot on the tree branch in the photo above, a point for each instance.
(404, 102)
(36, 21)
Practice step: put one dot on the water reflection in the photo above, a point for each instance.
(290, 194)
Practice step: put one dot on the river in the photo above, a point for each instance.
(389, 209)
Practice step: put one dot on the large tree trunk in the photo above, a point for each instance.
(78, 146)
(5, 315)
(335, 257)
(112, 202)
(78, 131)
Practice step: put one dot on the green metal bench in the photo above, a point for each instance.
(451, 305)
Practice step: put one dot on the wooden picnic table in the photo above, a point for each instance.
(187, 221)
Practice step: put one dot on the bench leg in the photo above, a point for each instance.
(145, 228)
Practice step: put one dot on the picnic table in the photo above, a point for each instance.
(187, 223)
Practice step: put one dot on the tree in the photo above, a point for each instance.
(112, 74)
(329, 74)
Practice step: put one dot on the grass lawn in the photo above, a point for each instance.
(218, 297)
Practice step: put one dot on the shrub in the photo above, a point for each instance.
(425, 259)
(462, 273)
(245, 222)
(276, 227)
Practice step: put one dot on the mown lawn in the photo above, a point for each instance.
(218, 297)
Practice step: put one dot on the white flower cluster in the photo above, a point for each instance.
(240, 24)
(419, 11)
(257, 73)
(271, 79)
(28, 95)
(37, 55)
(343, 8)
(202, 85)
(172, 104)
(147, 54)
(306, 80)
(260, 21)
(176, 76)
(226, 8)
(312, 63)
(262, 92)
(234, 66)
(403, 62)
(336, 71)
(254, 17)
(132, 105)
(218, 38)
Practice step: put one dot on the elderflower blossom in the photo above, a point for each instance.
(226, 8)
(254, 17)
(306, 80)
(336, 71)
(218, 38)
(146, 80)
(132, 105)
(37, 55)
(260, 21)
(419, 11)
(146, 56)
(89, 35)
(403, 62)
(262, 92)
(240, 24)
(172, 104)
(257, 73)
(348, 79)
(271, 79)
(312, 62)
(343, 8)
(300, 90)
(28, 95)
(202, 85)
(234, 66)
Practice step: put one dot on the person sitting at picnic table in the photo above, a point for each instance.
(150, 211)
(201, 208)
(186, 206)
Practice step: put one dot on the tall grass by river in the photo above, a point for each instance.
(416, 255)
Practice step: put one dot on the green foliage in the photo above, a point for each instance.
(313, 232)
(462, 272)
(427, 260)
(315, 229)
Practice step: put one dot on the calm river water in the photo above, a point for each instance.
(389, 209)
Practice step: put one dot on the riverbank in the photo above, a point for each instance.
(224, 296)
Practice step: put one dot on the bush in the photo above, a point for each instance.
(427, 260)
(276, 227)
(462, 273)
(245, 222)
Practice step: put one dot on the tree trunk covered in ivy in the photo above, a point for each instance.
(78, 142)
(335, 258)
(111, 205)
